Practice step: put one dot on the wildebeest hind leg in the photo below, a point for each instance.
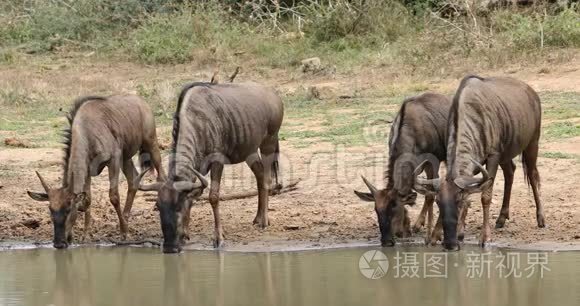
(130, 174)
(508, 174)
(214, 198)
(114, 168)
(270, 151)
(255, 163)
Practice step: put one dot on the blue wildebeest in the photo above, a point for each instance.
(217, 124)
(492, 120)
(103, 132)
(417, 133)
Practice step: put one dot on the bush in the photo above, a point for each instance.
(178, 36)
(374, 21)
(532, 31)
(346, 33)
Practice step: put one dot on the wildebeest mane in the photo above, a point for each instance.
(67, 132)
(452, 125)
(394, 137)
(184, 90)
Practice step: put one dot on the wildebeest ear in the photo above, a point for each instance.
(365, 196)
(38, 196)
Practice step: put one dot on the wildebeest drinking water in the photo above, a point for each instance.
(103, 132)
(214, 125)
(492, 120)
(417, 133)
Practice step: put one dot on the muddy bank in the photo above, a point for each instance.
(322, 212)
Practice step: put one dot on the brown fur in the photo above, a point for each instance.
(104, 132)
(215, 125)
(417, 133)
(492, 120)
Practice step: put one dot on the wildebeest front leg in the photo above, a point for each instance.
(486, 197)
(114, 169)
(432, 172)
(130, 174)
(508, 174)
(437, 233)
(255, 163)
(461, 223)
(87, 208)
(214, 198)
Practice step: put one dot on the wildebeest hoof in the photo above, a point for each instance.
(388, 243)
(261, 223)
(276, 189)
(484, 243)
(460, 237)
(417, 228)
(218, 243)
(541, 222)
(500, 222)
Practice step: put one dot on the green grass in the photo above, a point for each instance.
(560, 105)
(348, 34)
(353, 123)
(559, 155)
(559, 130)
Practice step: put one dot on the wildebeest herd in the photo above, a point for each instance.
(487, 123)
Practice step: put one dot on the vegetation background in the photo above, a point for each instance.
(419, 36)
(371, 55)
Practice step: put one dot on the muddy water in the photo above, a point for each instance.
(134, 276)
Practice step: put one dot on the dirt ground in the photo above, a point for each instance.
(323, 210)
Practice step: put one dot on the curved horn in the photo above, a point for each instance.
(372, 188)
(43, 182)
(151, 187)
(201, 178)
(485, 175)
(420, 168)
(473, 182)
(141, 175)
(425, 186)
(422, 181)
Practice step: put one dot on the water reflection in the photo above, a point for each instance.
(129, 276)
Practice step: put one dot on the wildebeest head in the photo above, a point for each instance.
(450, 195)
(389, 203)
(174, 199)
(63, 206)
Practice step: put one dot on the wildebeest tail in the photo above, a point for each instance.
(275, 164)
(531, 174)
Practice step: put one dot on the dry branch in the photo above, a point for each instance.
(244, 194)
(214, 77)
(250, 193)
(233, 76)
(135, 242)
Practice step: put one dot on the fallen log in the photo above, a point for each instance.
(244, 194)
(135, 242)
(250, 193)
